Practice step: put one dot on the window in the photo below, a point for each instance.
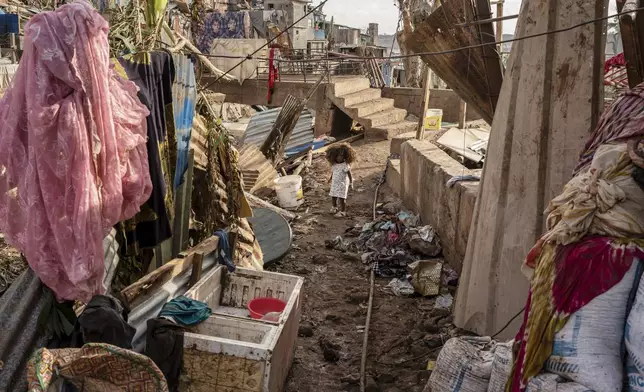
(271, 6)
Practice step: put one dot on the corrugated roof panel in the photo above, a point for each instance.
(20, 308)
(261, 124)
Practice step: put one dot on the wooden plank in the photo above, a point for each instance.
(197, 268)
(549, 102)
(462, 114)
(466, 72)
(166, 272)
(420, 132)
(257, 202)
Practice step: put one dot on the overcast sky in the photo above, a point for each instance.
(359, 13)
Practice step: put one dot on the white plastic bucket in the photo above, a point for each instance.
(289, 191)
(433, 119)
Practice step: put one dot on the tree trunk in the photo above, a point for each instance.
(414, 66)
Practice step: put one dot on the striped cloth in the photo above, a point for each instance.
(623, 120)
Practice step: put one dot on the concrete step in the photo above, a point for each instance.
(390, 131)
(370, 107)
(379, 119)
(349, 85)
(394, 178)
(358, 97)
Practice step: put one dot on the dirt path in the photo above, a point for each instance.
(405, 332)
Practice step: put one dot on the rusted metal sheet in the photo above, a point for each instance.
(256, 169)
(464, 71)
(199, 142)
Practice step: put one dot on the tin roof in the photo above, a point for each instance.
(261, 123)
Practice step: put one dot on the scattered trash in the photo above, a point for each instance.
(431, 365)
(408, 219)
(444, 301)
(424, 240)
(390, 243)
(426, 276)
(450, 276)
(401, 287)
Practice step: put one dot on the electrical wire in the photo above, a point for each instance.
(508, 323)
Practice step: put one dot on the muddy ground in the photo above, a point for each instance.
(405, 333)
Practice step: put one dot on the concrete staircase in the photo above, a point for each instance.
(365, 105)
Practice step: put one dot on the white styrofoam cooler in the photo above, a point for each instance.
(230, 352)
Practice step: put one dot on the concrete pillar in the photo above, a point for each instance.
(549, 104)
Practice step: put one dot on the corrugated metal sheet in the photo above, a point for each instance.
(20, 307)
(184, 97)
(261, 124)
(256, 169)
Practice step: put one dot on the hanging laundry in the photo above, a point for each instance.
(153, 73)
(184, 99)
(73, 160)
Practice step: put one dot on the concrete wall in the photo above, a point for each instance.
(425, 169)
(411, 99)
(255, 92)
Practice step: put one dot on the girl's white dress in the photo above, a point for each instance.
(340, 180)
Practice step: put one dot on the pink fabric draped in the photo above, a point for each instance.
(73, 160)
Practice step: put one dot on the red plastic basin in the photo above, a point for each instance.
(258, 307)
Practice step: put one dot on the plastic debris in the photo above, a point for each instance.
(444, 301)
(424, 240)
(408, 219)
(400, 287)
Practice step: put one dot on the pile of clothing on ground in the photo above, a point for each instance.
(398, 246)
(583, 325)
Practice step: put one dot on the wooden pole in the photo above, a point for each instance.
(420, 133)
(462, 115)
(499, 24)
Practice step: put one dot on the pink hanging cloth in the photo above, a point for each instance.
(73, 160)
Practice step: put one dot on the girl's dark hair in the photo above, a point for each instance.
(343, 149)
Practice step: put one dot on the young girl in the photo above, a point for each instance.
(340, 157)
